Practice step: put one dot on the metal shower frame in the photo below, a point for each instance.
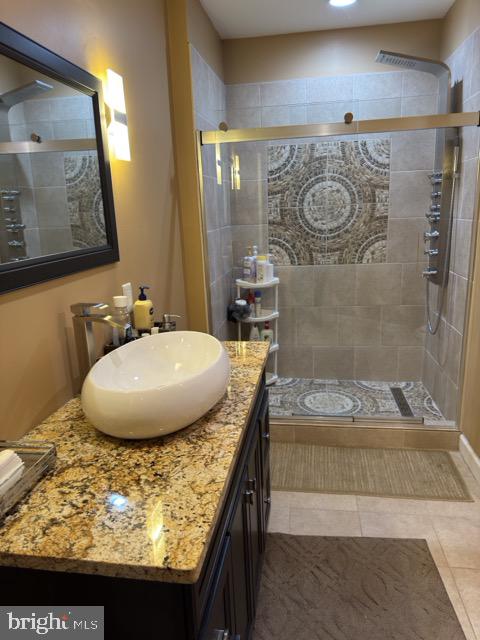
(356, 127)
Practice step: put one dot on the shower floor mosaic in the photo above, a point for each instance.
(360, 398)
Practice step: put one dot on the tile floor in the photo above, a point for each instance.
(310, 396)
(452, 531)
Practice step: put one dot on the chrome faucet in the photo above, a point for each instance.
(169, 322)
(84, 315)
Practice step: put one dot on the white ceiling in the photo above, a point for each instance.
(250, 18)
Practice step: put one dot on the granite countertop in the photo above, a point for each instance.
(143, 509)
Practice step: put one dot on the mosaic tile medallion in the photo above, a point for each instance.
(84, 199)
(329, 403)
(328, 202)
(378, 385)
(430, 407)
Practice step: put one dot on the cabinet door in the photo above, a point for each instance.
(240, 553)
(253, 498)
(265, 499)
(220, 623)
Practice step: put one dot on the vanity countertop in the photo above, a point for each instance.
(143, 509)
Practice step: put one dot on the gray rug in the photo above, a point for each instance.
(394, 473)
(316, 588)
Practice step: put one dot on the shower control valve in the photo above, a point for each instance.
(436, 178)
(431, 252)
(431, 235)
(433, 217)
(427, 273)
(14, 227)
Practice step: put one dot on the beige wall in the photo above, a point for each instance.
(462, 20)
(325, 53)
(38, 368)
(203, 36)
(469, 418)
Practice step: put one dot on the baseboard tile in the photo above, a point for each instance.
(471, 459)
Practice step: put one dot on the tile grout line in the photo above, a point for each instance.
(470, 627)
(463, 601)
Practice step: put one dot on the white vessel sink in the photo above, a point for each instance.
(156, 385)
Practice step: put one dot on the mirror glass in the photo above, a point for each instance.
(50, 189)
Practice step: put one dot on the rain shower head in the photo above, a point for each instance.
(439, 69)
(26, 92)
(413, 63)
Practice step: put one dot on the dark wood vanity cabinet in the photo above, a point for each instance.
(219, 606)
(230, 612)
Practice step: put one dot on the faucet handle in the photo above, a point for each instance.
(169, 321)
(168, 317)
(89, 308)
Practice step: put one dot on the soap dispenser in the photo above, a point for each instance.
(143, 311)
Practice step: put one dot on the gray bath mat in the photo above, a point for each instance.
(394, 473)
(316, 588)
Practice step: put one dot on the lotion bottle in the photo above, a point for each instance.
(262, 269)
(266, 334)
(143, 311)
(254, 333)
(248, 261)
(258, 303)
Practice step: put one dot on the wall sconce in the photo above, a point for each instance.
(116, 116)
(235, 173)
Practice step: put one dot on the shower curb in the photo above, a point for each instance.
(336, 433)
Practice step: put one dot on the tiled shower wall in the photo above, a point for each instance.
(358, 317)
(442, 363)
(60, 194)
(210, 108)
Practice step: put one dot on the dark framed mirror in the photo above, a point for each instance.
(57, 213)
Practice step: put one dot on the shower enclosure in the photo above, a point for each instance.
(359, 219)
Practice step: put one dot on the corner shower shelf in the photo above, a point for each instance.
(245, 284)
(271, 315)
(271, 378)
(274, 347)
(268, 315)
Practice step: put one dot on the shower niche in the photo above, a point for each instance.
(56, 205)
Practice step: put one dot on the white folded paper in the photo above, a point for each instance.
(11, 469)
